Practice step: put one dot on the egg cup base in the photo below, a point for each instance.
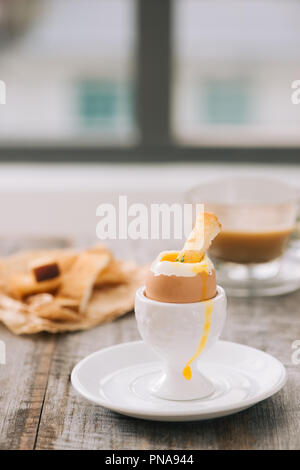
(172, 385)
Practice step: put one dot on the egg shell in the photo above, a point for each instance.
(181, 289)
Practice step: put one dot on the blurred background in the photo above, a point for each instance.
(148, 80)
(196, 82)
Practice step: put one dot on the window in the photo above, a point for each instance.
(150, 79)
(234, 63)
(70, 74)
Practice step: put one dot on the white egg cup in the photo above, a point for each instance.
(174, 332)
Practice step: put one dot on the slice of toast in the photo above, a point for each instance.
(21, 285)
(78, 282)
(206, 228)
(212, 227)
(53, 308)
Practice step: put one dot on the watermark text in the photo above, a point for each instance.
(2, 92)
(138, 221)
(296, 354)
(2, 353)
(295, 96)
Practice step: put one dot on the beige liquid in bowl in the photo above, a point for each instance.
(249, 247)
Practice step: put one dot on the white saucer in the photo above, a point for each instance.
(117, 378)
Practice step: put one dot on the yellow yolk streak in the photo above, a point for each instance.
(197, 269)
(169, 257)
(187, 372)
(200, 268)
(203, 293)
(190, 256)
(203, 268)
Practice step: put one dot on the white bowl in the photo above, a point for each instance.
(174, 332)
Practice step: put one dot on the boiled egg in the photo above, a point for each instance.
(181, 279)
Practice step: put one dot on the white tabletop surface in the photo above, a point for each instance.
(127, 177)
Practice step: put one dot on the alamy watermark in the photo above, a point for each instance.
(295, 96)
(2, 353)
(295, 358)
(2, 92)
(138, 221)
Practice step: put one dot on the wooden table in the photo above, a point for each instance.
(41, 410)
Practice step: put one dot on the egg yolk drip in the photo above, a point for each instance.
(200, 266)
(187, 371)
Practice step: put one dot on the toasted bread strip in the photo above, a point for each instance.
(21, 285)
(78, 282)
(38, 299)
(44, 269)
(206, 228)
(12, 304)
(115, 273)
(98, 249)
(52, 308)
(212, 227)
(21, 262)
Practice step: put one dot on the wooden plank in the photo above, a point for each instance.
(67, 421)
(23, 379)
